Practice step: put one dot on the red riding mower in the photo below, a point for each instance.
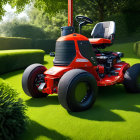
(80, 67)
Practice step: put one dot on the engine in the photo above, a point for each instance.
(106, 60)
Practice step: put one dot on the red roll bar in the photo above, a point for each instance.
(70, 12)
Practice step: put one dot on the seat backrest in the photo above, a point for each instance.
(104, 30)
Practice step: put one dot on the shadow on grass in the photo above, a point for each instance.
(98, 113)
(45, 62)
(119, 99)
(34, 102)
(35, 130)
(109, 99)
(11, 74)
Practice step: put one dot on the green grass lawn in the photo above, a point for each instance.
(115, 114)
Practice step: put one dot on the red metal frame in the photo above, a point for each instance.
(70, 12)
(97, 41)
(53, 75)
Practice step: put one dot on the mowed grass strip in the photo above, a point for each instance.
(114, 116)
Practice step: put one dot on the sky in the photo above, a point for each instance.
(10, 13)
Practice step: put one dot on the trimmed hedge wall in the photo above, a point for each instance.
(12, 113)
(10, 43)
(136, 48)
(46, 45)
(11, 60)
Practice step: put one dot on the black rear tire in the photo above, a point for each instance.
(132, 79)
(77, 90)
(28, 80)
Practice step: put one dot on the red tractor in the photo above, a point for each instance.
(80, 67)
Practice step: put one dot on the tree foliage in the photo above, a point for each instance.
(19, 4)
(17, 29)
(132, 5)
(51, 15)
(40, 25)
(52, 26)
(48, 6)
(97, 9)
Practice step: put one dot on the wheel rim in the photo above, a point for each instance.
(82, 92)
(38, 80)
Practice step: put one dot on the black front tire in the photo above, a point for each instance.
(77, 90)
(28, 80)
(132, 79)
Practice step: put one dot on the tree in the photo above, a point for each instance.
(99, 9)
(95, 8)
(52, 26)
(132, 15)
(15, 29)
(48, 6)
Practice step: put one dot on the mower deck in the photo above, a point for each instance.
(117, 77)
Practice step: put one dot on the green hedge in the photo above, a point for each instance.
(136, 48)
(46, 45)
(12, 113)
(11, 60)
(10, 43)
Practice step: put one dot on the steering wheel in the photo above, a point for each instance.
(82, 20)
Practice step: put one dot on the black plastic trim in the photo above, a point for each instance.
(87, 51)
(64, 53)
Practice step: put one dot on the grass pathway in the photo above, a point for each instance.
(115, 115)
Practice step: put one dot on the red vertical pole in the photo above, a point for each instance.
(70, 12)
